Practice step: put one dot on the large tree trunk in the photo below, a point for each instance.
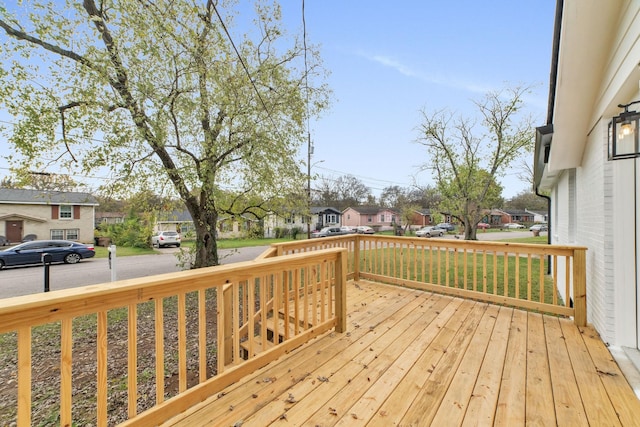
(470, 229)
(206, 250)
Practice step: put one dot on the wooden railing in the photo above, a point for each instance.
(201, 322)
(546, 278)
(190, 334)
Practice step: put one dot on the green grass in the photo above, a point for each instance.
(102, 252)
(431, 267)
(539, 240)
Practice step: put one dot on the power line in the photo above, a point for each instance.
(244, 66)
(381, 181)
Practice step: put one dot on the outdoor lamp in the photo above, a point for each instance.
(623, 134)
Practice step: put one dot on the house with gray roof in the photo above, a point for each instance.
(47, 214)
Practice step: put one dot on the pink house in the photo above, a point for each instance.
(375, 217)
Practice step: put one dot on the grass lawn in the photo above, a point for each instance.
(102, 252)
(540, 240)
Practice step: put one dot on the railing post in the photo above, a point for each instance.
(580, 287)
(341, 291)
(227, 294)
(356, 258)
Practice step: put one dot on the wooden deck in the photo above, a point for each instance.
(416, 358)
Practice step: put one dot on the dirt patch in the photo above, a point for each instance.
(46, 363)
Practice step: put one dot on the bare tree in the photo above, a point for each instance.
(467, 163)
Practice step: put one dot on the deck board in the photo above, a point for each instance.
(415, 358)
(539, 392)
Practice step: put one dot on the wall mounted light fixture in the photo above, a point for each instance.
(623, 134)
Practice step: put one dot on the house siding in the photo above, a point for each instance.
(591, 230)
(41, 223)
(597, 204)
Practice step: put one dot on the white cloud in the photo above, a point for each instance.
(410, 72)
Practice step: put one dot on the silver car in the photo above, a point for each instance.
(430, 232)
(166, 238)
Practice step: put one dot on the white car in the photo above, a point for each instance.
(513, 225)
(430, 232)
(364, 229)
(166, 238)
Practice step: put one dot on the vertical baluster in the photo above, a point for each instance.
(102, 368)
(24, 380)
(202, 338)
(132, 360)
(66, 361)
(159, 338)
(182, 342)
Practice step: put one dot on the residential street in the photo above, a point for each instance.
(30, 280)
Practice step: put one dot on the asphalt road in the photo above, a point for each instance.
(30, 280)
(18, 281)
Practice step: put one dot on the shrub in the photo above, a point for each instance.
(134, 232)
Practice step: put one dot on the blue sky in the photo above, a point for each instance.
(389, 60)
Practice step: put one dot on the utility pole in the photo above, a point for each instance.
(309, 152)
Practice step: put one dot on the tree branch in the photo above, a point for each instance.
(21, 35)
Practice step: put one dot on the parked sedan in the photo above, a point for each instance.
(32, 252)
(365, 229)
(430, 232)
(347, 230)
(446, 226)
(328, 231)
(539, 227)
(513, 225)
(166, 238)
(483, 225)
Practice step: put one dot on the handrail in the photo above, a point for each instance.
(208, 307)
(260, 310)
(499, 272)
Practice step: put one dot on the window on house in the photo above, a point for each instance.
(57, 234)
(65, 234)
(382, 218)
(331, 218)
(369, 218)
(66, 212)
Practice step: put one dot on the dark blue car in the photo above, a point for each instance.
(31, 252)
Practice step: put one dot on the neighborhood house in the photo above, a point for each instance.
(46, 215)
(375, 217)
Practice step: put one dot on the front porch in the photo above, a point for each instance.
(351, 329)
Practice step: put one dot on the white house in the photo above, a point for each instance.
(595, 200)
(321, 216)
